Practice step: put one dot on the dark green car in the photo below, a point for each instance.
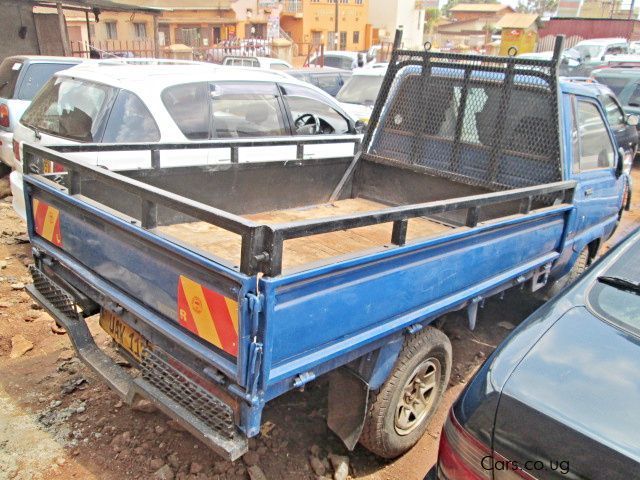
(625, 83)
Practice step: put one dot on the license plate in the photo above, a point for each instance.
(123, 334)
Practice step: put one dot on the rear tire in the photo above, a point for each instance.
(579, 267)
(400, 411)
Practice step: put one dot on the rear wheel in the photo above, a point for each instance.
(400, 410)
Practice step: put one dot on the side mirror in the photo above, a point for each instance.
(620, 162)
(632, 120)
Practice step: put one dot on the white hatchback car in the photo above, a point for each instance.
(111, 103)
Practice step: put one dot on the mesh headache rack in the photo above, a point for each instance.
(481, 120)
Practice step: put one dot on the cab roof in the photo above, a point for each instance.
(580, 87)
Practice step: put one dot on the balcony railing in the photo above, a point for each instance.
(292, 6)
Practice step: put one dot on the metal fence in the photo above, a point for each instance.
(545, 44)
(113, 48)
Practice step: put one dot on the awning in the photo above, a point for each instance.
(109, 5)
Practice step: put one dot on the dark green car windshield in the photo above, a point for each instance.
(616, 295)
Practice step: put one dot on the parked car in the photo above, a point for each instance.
(568, 64)
(238, 282)
(359, 94)
(342, 59)
(20, 79)
(259, 62)
(595, 52)
(558, 398)
(167, 103)
(328, 79)
(625, 84)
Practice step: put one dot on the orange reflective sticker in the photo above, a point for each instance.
(47, 221)
(208, 314)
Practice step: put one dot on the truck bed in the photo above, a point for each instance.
(301, 251)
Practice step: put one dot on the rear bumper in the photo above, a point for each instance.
(206, 417)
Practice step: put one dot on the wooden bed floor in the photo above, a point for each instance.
(300, 251)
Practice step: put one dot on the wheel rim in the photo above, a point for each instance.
(418, 396)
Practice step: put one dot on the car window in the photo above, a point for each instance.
(615, 115)
(70, 108)
(279, 66)
(614, 81)
(9, 72)
(328, 82)
(361, 89)
(615, 301)
(130, 121)
(596, 150)
(615, 50)
(634, 97)
(188, 106)
(336, 61)
(306, 106)
(245, 110)
(36, 76)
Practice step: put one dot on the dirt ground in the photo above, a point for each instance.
(58, 421)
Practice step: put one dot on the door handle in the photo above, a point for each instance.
(588, 192)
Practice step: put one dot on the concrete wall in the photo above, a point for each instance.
(389, 16)
(13, 15)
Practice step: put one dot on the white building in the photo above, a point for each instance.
(389, 15)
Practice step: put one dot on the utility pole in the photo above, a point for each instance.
(62, 27)
(337, 34)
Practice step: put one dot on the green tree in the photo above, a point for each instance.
(431, 16)
(452, 3)
(537, 6)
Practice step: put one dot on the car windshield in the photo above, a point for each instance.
(361, 89)
(36, 76)
(614, 81)
(616, 295)
(334, 61)
(587, 51)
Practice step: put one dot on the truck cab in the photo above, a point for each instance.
(595, 159)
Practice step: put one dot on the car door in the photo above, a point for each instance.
(594, 158)
(250, 110)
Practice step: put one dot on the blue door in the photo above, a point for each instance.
(594, 158)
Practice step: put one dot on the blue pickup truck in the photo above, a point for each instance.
(227, 284)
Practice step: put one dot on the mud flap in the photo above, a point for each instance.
(348, 402)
